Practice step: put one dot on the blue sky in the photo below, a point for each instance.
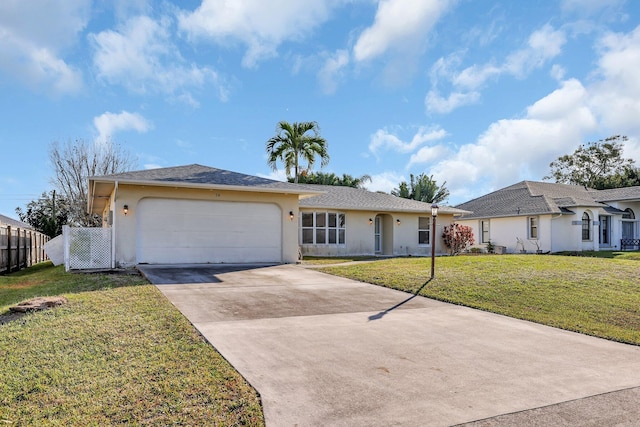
(480, 94)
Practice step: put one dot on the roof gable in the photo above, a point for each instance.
(531, 198)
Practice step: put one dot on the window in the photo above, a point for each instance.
(586, 226)
(323, 228)
(484, 231)
(533, 227)
(628, 218)
(424, 230)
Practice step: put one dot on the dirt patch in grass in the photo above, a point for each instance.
(10, 316)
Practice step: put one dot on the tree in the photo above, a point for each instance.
(457, 238)
(423, 188)
(74, 162)
(332, 179)
(47, 214)
(596, 165)
(294, 142)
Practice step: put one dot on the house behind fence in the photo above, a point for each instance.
(20, 245)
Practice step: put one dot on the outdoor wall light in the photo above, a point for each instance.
(370, 221)
(398, 221)
(125, 209)
(291, 215)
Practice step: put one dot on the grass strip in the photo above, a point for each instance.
(118, 355)
(594, 296)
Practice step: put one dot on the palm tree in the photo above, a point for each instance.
(294, 142)
(423, 188)
(332, 179)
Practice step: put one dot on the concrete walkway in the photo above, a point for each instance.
(323, 350)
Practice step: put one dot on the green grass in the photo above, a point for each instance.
(117, 353)
(595, 296)
(631, 255)
(311, 260)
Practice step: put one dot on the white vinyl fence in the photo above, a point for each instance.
(87, 248)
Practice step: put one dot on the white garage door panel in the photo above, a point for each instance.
(195, 231)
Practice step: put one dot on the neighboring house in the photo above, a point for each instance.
(553, 217)
(14, 223)
(198, 214)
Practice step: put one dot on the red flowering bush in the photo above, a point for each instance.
(457, 238)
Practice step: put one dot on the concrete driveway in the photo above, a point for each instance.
(323, 350)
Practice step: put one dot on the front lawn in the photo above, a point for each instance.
(595, 296)
(117, 353)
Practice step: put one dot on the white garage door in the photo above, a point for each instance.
(174, 231)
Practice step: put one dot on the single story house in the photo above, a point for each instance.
(542, 216)
(14, 223)
(378, 223)
(200, 214)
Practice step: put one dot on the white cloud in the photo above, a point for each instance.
(385, 181)
(542, 45)
(33, 38)
(616, 94)
(141, 57)
(333, 70)
(475, 76)
(278, 175)
(383, 139)
(437, 104)
(516, 149)
(398, 25)
(428, 155)
(108, 124)
(591, 7)
(557, 72)
(260, 25)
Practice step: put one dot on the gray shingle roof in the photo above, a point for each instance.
(14, 223)
(531, 198)
(333, 198)
(349, 198)
(618, 194)
(198, 174)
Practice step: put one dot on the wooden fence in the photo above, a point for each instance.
(20, 248)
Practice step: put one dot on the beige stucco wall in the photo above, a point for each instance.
(125, 226)
(398, 239)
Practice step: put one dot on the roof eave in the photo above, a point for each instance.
(182, 184)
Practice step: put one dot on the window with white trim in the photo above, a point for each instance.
(323, 228)
(533, 227)
(424, 230)
(586, 227)
(484, 231)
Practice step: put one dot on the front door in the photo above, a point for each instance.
(378, 235)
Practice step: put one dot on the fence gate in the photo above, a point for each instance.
(87, 248)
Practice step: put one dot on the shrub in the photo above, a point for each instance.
(457, 238)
